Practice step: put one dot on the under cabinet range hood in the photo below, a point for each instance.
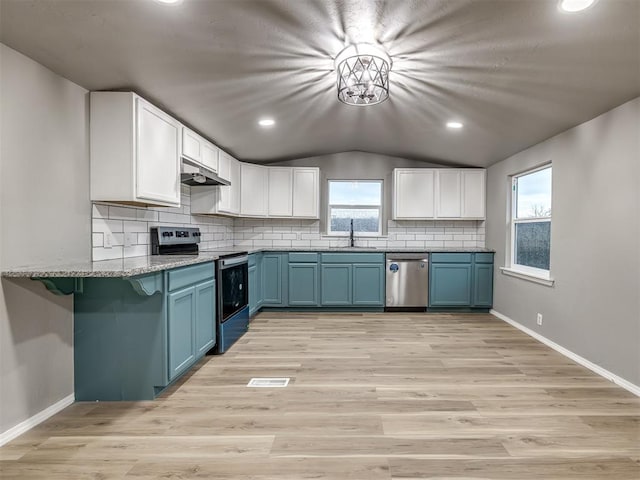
(196, 175)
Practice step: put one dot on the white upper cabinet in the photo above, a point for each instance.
(413, 193)
(446, 193)
(474, 193)
(230, 195)
(280, 192)
(224, 165)
(199, 150)
(210, 156)
(306, 191)
(135, 151)
(192, 145)
(254, 191)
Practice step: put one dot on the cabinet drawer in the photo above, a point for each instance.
(353, 258)
(451, 258)
(181, 277)
(484, 257)
(303, 257)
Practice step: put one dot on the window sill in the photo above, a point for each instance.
(531, 277)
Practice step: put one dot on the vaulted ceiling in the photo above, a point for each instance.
(514, 72)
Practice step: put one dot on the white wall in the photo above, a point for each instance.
(594, 307)
(44, 212)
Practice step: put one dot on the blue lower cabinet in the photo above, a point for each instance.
(303, 285)
(273, 280)
(336, 285)
(450, 285)
(461, 280)
(368, 285)
(181, 316)
(483, 285)
(133, 336)
(255, 283)
(205, 317)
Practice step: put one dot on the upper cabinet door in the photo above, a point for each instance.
(473, 193)
(280, 192)
(210, 156)
(254, 183)
(224, 165)
(449, 204)
(236, 186)
(192, 145)
(224, 171)
(413, 193)
(158, 155)
(306, 188)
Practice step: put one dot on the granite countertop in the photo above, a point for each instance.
(130, 267)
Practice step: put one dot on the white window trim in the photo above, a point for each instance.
(524, 272)
(378, 233)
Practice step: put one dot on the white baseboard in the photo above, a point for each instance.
(38, 418)
(627, 385)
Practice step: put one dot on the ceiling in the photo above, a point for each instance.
(515, 72)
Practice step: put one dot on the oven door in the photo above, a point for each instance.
(233, 284)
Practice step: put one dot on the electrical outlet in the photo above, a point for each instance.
(539, 319)
(108, 240)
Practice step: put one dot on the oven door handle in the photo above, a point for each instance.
(230, 262)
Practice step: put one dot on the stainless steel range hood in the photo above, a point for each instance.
(195, 175)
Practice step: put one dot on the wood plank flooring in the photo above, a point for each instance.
(372, 397)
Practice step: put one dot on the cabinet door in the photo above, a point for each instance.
(483, 285)
(253, 190)
(413, 193)
(272, 279)
(473, 193)
(306, 188)
(450, 285)
(191, 145)
(180, 321)
(157, 155)
(224, 165)
(229, 201)
(336, 285)
(210, 156)
(205, 316)
(253, 289)
(280, 192)
(236, 187)
(448, 192)
(303, 284)
(368, 285)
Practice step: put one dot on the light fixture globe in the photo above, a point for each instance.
(363, 74)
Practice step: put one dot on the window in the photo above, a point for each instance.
(357, 200)
(531, 222)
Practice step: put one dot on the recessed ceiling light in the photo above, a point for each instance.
(455, 125)
(572, 6)
(169, 2)
(267, 122)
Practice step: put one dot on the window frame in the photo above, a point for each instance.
(330, 206)
(513, 267)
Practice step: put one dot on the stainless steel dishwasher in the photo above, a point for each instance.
(407, 280)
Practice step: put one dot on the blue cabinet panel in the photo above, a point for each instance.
(336, 284)
(450, 285)
(253, 288)
(368, 285)
(349, 257)
(451, 257)
(205, 316)
(303, 284)
(483, 285)
(483, 257)
(181, 315)
(273, 280)
(183, 276)
(303, 257)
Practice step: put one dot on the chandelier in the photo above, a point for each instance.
(363, 74)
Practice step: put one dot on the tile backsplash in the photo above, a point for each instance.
(127, 229)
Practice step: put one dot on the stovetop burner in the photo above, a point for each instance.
(174, 240)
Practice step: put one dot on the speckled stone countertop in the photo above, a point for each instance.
(130, 267)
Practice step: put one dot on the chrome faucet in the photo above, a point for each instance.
(351, 240)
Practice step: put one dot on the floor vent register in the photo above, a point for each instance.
(268, 382)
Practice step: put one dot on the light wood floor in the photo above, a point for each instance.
(372, 397)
